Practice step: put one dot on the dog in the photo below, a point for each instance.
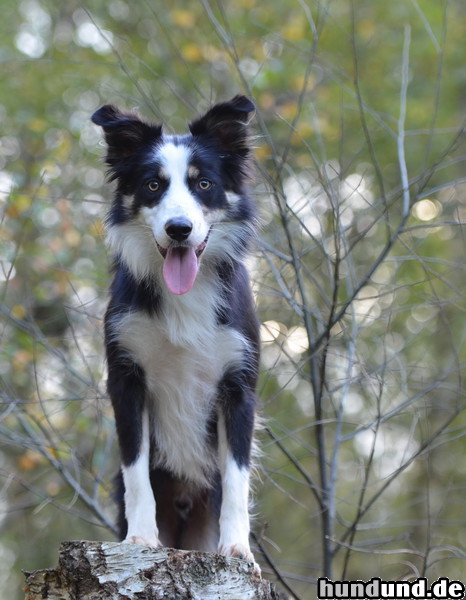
(181, 332)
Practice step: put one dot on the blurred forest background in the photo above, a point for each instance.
(359, 273)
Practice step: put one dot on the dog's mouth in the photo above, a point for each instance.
(181, 265)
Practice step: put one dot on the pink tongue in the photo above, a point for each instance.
(180, 269)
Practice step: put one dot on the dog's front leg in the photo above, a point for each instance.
(127, 390)
(235, 431)
(234, 513)
(139, 498)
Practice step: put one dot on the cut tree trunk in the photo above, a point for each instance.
(108, 570)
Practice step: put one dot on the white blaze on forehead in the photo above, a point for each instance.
(175, 160)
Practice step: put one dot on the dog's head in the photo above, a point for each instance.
(185, 191)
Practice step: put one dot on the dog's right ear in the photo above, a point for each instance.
(124, 133)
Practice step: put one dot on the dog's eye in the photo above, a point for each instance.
(204, 184)
(153, 185)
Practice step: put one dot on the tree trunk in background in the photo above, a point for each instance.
(108, 570)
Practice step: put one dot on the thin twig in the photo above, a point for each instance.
(401, 122)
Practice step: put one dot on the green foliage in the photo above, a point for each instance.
(360, 108)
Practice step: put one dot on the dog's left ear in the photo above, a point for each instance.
(227, 123)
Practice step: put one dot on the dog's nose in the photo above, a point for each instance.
(178, 229)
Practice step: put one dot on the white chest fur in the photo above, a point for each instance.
(184, 354)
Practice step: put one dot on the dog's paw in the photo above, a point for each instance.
(243, 552)
(142, 541)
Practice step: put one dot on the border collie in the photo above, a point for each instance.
(181, 332)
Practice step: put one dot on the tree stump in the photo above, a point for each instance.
(109, 570)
